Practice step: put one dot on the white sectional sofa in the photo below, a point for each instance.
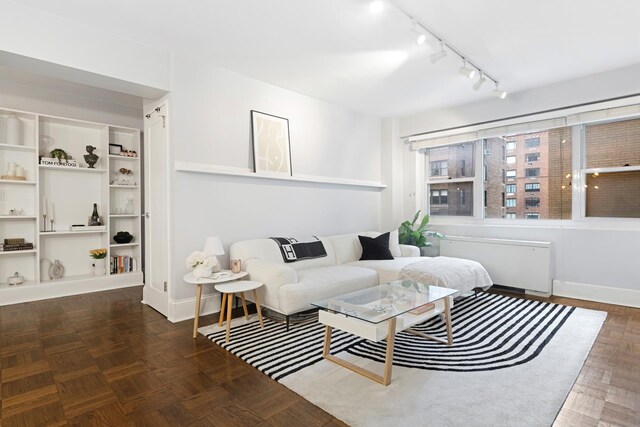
(291, 287)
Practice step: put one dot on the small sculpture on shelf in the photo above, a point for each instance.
(16, 279)
(124, 177)
(91, 158)
(56, 271)
(122, 237)
(59, 154)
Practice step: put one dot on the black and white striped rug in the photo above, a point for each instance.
(490, 332)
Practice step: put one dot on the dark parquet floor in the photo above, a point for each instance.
(104, 359)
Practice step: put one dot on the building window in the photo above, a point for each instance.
(531, 215)
(532, 186)
(511, 160)
(511, 174)
(532, 202)
(485, 198)
(532, 172)
(510, 215)
(531, 157)
(439, 197)
(463, 164)
(503, 200)
(532, 142)
(439, 168)
(511, 188)
(511, 203)
(511, 145)
(610, 191)
(484, 172)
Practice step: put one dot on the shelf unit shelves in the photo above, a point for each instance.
(48, 184)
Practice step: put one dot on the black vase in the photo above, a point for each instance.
(122, 237)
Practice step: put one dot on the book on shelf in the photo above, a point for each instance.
(123, 264)
(423, 308)
(16, 247)
(88, 227)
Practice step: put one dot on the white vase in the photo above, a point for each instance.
(13, 130)
(202, 271)
(99, 267)
(45, 265)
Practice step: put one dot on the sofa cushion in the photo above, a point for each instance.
(315, 284)
(375, 248)
(268, 250)
(388, 270)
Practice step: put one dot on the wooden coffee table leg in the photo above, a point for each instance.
(196, 318)
(223, 308)
(244, 306)
(447, 317)
(258, 307)
(388, 361)
(229, 309)
(327, 341)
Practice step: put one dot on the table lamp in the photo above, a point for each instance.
(213, 246)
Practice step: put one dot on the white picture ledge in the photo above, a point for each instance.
(235, 171)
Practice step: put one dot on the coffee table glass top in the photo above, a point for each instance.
(383, 302)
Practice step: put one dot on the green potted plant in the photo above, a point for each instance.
(416, 235)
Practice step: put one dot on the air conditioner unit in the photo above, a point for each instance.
(487, 151)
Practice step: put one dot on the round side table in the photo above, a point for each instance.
(238, 287)
(220, 277)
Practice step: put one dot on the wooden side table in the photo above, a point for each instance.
(220, 277)
(238, 287)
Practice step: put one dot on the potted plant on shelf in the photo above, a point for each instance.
(410, 234)
(99, 263)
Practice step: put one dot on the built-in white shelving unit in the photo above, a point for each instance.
(69, 194)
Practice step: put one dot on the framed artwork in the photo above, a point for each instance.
(115, 149)
(271, 144)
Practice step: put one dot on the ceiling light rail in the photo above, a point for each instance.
(468, 67)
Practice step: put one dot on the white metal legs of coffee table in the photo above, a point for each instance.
(385, 379)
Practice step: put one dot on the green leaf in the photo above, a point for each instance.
(415, 218)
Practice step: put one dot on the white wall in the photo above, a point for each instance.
(210, 123)
(597, 253)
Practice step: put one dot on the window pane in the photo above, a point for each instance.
(530, 215)
(454, 199)
(613, 144)
(615, 194)
(511, 160)
(455, 161)
(542, 161)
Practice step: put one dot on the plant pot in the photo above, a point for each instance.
(99, 267)
(430, 251)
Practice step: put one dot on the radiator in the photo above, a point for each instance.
(517, 263)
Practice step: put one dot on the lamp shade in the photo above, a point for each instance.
(213, 245)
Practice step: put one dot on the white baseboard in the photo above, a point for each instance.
(66, 287)
(184, 309)
(619, 296)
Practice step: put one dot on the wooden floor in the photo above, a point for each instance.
(105, 359)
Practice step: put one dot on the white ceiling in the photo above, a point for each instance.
(337, 51)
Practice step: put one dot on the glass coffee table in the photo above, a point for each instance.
(379, 312)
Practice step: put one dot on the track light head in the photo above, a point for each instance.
(467, 71)
(501, 94)
(441, 54)
(421, 39)
(480, 82)
(376, 6)
(419, 32)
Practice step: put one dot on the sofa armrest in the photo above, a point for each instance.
(409, 250)
(270, 273)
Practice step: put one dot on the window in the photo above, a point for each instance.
(511, 174)
(503, 200)
(484, 172)
(439, 197)
(531, 157)
(532, 172)
(532, 202)
(531, 215)
(439, 168)
(485, 198)
(511, 160)
(511, 145)
(511, 203)
(504, 176)
(510, 215)
(511, 188)
(532, 186)
(453, 162)
(532, 142)
(609, 146)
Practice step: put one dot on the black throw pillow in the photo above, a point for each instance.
(375, 249)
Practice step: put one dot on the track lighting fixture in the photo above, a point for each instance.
(435, 57)
(467, 71)
(480, 82)
(376, 6)
(502, 94)
(421, 37)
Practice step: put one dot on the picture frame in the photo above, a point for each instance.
(271, 144)
(115, 149)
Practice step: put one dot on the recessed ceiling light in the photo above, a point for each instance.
(376, 6)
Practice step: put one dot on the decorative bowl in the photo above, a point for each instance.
(122, 237)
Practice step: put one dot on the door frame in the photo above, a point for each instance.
(159, 301)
